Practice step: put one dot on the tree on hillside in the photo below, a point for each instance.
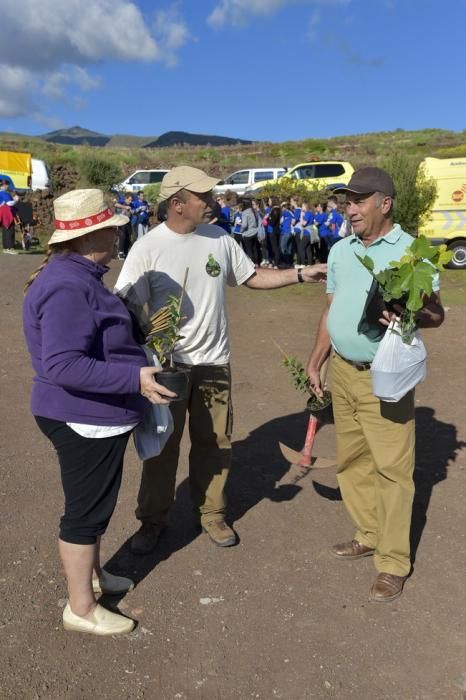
(415, 192)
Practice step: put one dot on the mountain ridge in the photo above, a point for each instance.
(79, 136)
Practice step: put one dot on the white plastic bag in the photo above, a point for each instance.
(152, 433)
(397, 366)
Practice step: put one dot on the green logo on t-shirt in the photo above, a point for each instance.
(212, 267)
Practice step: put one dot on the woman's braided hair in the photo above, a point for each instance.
(63, 248)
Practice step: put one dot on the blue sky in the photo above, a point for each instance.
(270, 70)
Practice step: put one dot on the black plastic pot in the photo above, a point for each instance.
(323, 408)
(176, 380)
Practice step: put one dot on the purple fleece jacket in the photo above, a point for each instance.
(79, 335)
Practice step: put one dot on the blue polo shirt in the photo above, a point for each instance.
(286, 222)
(349, 282)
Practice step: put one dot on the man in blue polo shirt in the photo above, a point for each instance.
(375, 440)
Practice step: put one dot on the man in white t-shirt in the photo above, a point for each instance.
(155, 269)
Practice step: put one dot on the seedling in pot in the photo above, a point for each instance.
(163, 335)
(300, 381)
(409, 281)
(315, 405)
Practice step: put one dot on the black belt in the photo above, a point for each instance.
(360, 366)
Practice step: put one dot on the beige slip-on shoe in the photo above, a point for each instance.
(109, 584)
(103, 622)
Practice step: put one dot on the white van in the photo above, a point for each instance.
(139, 179)
(40, 176)
(241, 180)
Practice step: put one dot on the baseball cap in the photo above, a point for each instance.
(184, 177)
(367, 181)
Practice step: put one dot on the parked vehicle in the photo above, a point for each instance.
(329, 173)
(241, 180)
(23, 172)
(17, 169)
(40, 175)
(447, 220)
(139, 179)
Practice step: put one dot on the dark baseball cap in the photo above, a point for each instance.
(367, 181)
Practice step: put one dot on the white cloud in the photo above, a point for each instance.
(171, 33)
(239, 12)
(49, 47)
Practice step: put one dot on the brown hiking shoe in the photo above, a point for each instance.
(386, 587)
(220, 533)
(351, 550)
(144, 541)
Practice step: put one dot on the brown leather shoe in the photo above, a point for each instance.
(386, 588)
(351, 550)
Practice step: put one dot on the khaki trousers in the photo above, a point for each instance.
(375, 458)
(210, 425)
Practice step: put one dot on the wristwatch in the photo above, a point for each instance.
(300, 277)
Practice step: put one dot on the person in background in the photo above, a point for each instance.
(286, 239)
(249, 231)
(375, 439)
(296, 208)
(142, 210)
(261, 234)
(334, 221)
(91, 388)
(274, 230)
(237, 218)
(320, 217)
(225, 214)
(7, 217)
(123, 207)
(306, 236)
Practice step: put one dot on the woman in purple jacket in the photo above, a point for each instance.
(90, 390)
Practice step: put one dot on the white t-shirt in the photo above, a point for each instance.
(155, 269)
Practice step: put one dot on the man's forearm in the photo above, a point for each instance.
(322, 345)
(273, 279)
(432, 315)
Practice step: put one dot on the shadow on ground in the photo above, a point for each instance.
(258, 467)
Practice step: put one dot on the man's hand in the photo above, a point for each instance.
(314, 273)
(314, 380)
(389, 316)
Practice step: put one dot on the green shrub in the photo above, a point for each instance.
(415, 193)
(151, 194)
(100, 172)
(285, 188)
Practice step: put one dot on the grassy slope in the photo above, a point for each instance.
(362, 149)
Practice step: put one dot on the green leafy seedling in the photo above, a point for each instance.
(164, 330)
(410, 279)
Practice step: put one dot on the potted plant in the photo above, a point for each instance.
(409, 280)
(162, 337)
(300, 381)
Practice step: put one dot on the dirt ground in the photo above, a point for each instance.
(275, 616)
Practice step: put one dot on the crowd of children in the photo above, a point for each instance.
(137, 209)
(289, 233)
(273, 234)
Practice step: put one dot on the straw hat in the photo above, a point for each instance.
(81, 211)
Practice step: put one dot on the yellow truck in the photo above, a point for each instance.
(17, 169)
(447, 218)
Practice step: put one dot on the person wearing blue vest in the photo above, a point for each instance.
(307, 236)
(334, 221)
(286, 239)
(375, 439)
(320, 217)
